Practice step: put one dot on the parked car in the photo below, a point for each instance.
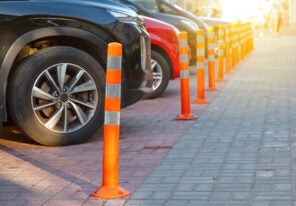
(52, 65)
(150, 8)
(204, 23)
(168, 7)
(164, 54)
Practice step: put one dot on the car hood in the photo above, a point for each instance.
(104, 4)
(177, 21)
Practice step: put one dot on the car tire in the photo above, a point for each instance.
(161, 74)
(56, 96)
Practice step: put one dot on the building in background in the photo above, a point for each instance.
(236, 9)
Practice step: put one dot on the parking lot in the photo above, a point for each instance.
(234, 120)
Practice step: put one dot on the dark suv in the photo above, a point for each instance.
(151, 9)
(52, 65)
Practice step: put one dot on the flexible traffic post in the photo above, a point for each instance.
(237, 50)
(184, 79)
(243, 41)
(221, 46)
(250, 43)
(110, 187)
(240, 41)
(235, 44)
(211, 60)
(200, 72)
(252, 37)
(227, 49)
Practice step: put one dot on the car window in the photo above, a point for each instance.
(147, 4)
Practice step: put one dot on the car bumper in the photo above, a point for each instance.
(139, 83)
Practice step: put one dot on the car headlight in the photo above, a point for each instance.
(123, 17)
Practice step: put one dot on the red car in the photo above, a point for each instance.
(164, 54)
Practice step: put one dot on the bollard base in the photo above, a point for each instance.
(186, 117)
(200, 101)
(221, 80)
(110, 192)
(213, 89)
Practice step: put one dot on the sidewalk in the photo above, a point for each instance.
(239, 152)
(242, 150)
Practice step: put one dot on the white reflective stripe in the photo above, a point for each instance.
(184, 74)
(200, 65)
(227, 39)
(211, 46)
(211, 35)
(114, 62)
(220, 32)
(113, 90)
(220, 52)
(112, 118)
(220, 42)
(183, 58)
(183, 42)
(200, 39)
(211, 57)
(200, 52)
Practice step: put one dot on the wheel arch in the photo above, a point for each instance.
(160, 50)
(61, 33)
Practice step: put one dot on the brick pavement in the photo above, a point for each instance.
(32, 175)
(239, 152)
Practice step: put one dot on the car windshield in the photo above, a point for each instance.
(147, 4)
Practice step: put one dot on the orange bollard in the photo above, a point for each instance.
(184, 79)
(252, 38)
(243, 41)
(110, 187)
(233, 46)
(221, 46)
(200, 73)
(250, 41)
(211, 60)
(201, 97)
(237, 50)
(227, 49)
(246, 40)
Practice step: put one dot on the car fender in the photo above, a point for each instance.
(21, 41)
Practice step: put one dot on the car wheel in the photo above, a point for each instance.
(56, 96)
(161, 74)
